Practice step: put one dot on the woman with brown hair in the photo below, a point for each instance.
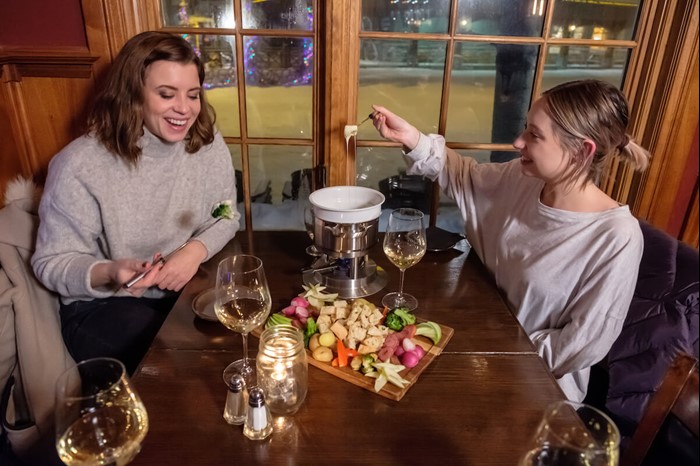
(564, 254)
(140, 183)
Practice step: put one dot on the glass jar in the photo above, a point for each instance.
(282, 368)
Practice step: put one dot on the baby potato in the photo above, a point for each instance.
(327, 339)
(323, 354)
(313, 342)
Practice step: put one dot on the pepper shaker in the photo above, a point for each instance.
(258, 421)
(235, 409)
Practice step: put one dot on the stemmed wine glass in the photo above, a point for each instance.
(242, 303)
(572, 433)
(404, 245)
(100, 419)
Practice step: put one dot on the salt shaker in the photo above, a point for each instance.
(234, 411)
(258, 421)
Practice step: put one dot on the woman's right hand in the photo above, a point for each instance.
(118, 272)
(394, 128)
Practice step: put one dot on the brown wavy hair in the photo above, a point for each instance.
(116, 118)
(598, 111)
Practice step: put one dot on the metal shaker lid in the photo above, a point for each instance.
(236, 383)
(256, 397)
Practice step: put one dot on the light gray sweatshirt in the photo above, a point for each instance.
(567, 276)
(96, 208)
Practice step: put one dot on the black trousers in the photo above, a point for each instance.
(122, 328)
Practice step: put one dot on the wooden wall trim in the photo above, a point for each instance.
(68, 62)
(671, 114)
(341, 80)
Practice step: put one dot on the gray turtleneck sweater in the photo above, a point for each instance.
(97, 208)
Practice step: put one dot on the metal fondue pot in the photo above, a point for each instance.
(346, 223)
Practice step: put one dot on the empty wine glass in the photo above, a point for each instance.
(574, 434)
(242, 303)
(404, 245)
(100, 419)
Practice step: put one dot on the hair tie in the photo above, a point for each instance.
(623, 144)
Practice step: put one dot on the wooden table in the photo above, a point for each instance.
(478, 403)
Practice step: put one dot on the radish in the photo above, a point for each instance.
(299, 301)
(408, 344)
(410, 359)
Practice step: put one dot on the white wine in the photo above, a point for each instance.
(107, 435)
(243, 314)
(402, 260)
(404, 252)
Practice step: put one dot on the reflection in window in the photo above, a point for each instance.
(198, 14)
(595, 20)
(278, 14)
(278, 78)
(490, 92)
(501, 17)
(219, 59)
(405, 77)
(273, 172)
(426, 16)
(567, 63)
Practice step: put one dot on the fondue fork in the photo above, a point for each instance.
(369, 117)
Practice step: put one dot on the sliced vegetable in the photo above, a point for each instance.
(387, 372)
(316, 297)
(277, 319)
(310, 329)
(344, 353)
(430, 330)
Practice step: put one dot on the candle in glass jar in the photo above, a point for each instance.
(282, 368)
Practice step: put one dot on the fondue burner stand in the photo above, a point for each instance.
(345, 267)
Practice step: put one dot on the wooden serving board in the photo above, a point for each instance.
(389, 390)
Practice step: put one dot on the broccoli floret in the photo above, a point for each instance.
(394, 322)
(398, 318)
(222, 210)
(368, 361)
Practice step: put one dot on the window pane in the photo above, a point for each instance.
(278, 14)
(501, 17)
(271, 170)
(217, 54)
(210, 14)
(411, 16)
(490, 91)
(407, 79)
(279, 94)
(595, 20)
(567, 63)
(383, 169)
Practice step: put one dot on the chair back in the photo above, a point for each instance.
(677, 395)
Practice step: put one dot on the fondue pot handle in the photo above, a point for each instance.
(338, 231)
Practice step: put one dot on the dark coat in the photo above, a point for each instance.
(662, 321)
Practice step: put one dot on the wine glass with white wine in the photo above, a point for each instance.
(100, 419)
(574, 434)
(242, 303)
(404, 245)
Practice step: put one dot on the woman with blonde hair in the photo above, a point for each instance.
(141, 182)
(564, 254)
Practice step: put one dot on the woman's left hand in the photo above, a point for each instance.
(181, 267)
